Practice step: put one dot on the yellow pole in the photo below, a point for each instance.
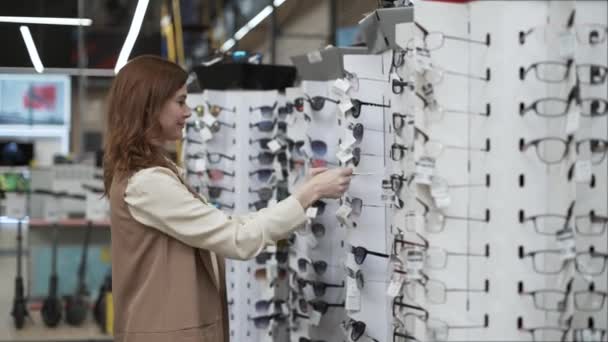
(179, 37)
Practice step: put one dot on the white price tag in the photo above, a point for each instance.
(15, 205)
(309, 292)
(394, 287)
(442, 201)
(96, 207)
(353, 295)
(582, 171)
(315, 318)
(311, 212)
(341, 86)
(274, 145)
(350, 262)
(573, 120)
(52, 209)
(272, 269)
(314, 57)
(425, 169)
(206, 134)
(348, 142)
(344, 156)
(209, 120)
(423, 61)
(284, 308)
(290, 119)
(566, 44)
(200, 164)
(414, 262)
(345, 105)
(343, 213)
(566, 243)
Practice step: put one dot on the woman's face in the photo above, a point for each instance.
(173, 116)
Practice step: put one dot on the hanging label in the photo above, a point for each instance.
(353, 295)
(394, 287)
(344, 156)
(274, 145)
(582, 171)
(442, 201)
(272, 269)
(209, 120)
(96, 207)
(566, 243)
(15, 205)
(314, 57)
(52, 209)
(414, 262)
(425, 169)
(345, 105)
(351, 264)
(284, 308)
(311, 212)
(348, 142)
(343, 213)
(566, 44)
(573, 120)
(200, 164)
(205, 134)
(341, 86)
(315, 318)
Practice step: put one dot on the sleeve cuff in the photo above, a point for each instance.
(293, 215)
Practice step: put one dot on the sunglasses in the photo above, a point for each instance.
(217, 125)
(358, 276)
(285, 110)
(266, 111)
(264, 256)
(216, 110)
(317, 305)
(319, 266)
(263, 322)
(355, 111)
(258, 205)
(319, 287)
(360, 253)
(218, 174)
(399, 120)
(264, 193)
(320, 205)
(264, 125)
(216, 191)
(264, 305)
(316, 102)
(263, 174)
(399, 86)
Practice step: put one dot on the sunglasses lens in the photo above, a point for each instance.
(266, 111)
(396, 183)
(299, 103)
(214, 158)
(319, 289)
(265, 194)
(200, 110)
(319, 148)
(215, 110)
(358, 330)
(360, 253)
(215, 175)
(215, 127)
(262, 305)
(259, 205)
(262, 258)
(356, 156)
(356, 110)
(358, 132)
(318, 230)
(317, 103)
(320, 205)
(357, 205)
(320, 267)
(264, 143)
(281, 257)
(265, 158)
(215, 192)
(302, 264)
(266, 126)
(261, 322)
(264, 175)
(398, 121)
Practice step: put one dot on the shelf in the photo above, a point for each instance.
(68, 223)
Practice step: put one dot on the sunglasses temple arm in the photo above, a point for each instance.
(382, 255)
(466, 40)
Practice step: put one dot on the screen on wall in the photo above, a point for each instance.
(34, 100)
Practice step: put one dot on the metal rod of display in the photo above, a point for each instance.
(60, 71)
(303, 36)
(82, 79)
(333, 14)
(273, 34)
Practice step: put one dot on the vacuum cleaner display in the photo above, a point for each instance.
(51, 308)
(19, 311)
(76, 306)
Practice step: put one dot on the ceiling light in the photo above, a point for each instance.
(31, 48)
(47, 21)
(138, 18)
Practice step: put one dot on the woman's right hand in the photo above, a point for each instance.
(324, 183)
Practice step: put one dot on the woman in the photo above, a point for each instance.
(167, 241)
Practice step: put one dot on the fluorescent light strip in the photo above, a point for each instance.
(138, 18)
(31, 48)
(47, 21)
(255, 21)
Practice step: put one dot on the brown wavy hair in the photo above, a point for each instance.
(136, 97)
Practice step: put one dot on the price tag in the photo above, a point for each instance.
(573, 120)
(52, 209)
(394, 287)
(290, 119)
(344, 156)
(425, 169)
(284, 308)
(96, 207)
(566, 44)
(345, 105)
(353, 295)
(200, 164)
(314, 57)
(309, 292)
(15, 205)
(582, 171)
(272, 269)
(343, 213)
(209, 120)
(350, 263)
(348, 142)
(205, 134)
(311, 212)
(315, 318)
(442, 201)
(274, 145)
(278, 171)
(341, 86)
(423, 61)
(414, 262)
(566, 243)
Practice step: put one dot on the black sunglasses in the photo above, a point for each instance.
(266, 111)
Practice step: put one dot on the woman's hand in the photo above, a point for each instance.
(323, 183)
